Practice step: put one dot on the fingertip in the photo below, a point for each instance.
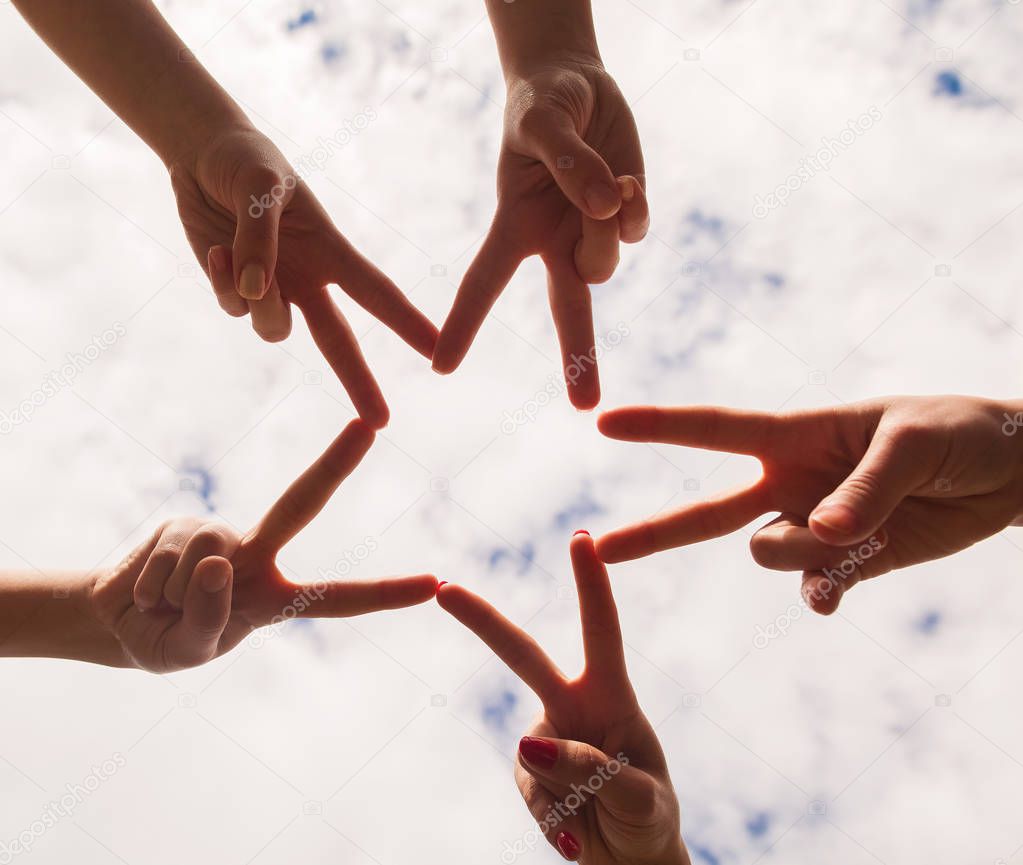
(626, 187)
(584, 396)
(821, 593)
(252, 282)
(568, 846)
(214, 573)
(603, 200)
(376, 416)
(833, 523)
(609, 549)
(217, 259)
(446, 356)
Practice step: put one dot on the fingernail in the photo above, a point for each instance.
(568, 846)
(214, 580)
(627, 187)
(218, 258)
(836, 517)
(441, 584)
(539, 752)
(581, 532)
(252, 283)
(602, 200)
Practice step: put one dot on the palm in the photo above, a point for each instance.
(183, 625)
(241, 197)
(610, 836)
(533, 211)
(939, 474)
(568, 131)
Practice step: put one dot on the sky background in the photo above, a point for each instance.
(888, 733)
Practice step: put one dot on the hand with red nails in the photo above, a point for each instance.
(570, 183)
(257, 230)
(195, 589)
(863, 489)
(591, 769)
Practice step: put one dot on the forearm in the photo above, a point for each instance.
(532, 32)
(131, 58)
(48, 615)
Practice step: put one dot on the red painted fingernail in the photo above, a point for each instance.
(441, 583)
(581, 532)
(539, 752)
(568, 846)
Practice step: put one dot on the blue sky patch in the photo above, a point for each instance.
(303, 19)
(498, 709)
(948, 83)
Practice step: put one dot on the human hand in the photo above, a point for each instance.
(196, 588)
(570, 186)
(592, 733)
(863, 489)
(266, 243)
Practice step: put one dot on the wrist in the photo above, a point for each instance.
(534, 35)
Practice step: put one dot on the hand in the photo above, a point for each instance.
(591, 728)
(195, 589)
(570, 186)
(266, 242)
(863, 488)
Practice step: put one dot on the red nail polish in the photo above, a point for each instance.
(441, 583)
(539, 752)
(581, 532)
(568, 846)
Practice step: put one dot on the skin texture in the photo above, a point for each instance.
(294, 241)
(863, 489)
(260, 260)
(195, 588)
(570, 184)
(587, 722)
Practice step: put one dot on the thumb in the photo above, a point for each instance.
(258, 207)
(588, 771)
(894, 466)
(580, 172)
(206, 611)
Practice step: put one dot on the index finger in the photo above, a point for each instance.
(488, 275)
(306, 497)
(509, 642)
(337, 343)
(368, 286)
(709, 427)
(702, 521)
